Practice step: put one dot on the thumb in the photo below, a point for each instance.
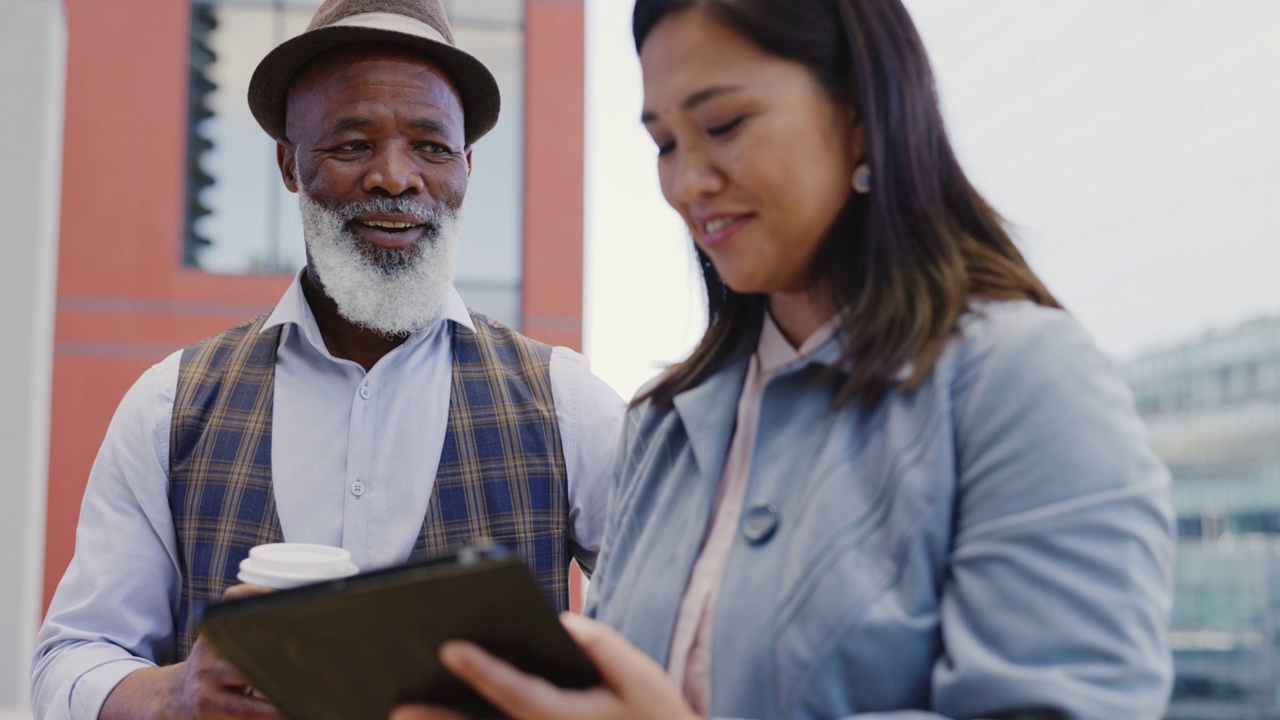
(619, 662)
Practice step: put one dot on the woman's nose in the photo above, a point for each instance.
(694, 176)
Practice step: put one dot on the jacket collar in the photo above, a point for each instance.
(709, 411)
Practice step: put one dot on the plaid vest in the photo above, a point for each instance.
(501, 474)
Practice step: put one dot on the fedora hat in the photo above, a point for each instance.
(417, 24)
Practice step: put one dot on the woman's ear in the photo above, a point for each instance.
(858, 142)
(860, 178)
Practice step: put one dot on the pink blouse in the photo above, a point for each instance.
(689, 664)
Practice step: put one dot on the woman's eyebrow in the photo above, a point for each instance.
(693, 100)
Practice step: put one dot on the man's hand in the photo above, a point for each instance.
(203, 686)
(635, 687)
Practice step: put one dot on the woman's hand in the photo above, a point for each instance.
(635, 687)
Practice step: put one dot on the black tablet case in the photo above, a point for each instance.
(354, 648)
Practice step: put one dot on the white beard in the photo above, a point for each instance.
(392, 291)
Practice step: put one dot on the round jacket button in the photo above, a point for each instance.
(759, 522)
(365, 392)
(357, 488)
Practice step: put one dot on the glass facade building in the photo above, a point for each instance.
(1212, 408)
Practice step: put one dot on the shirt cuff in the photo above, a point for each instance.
(92, 688)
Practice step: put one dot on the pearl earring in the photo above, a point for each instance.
(862, 179)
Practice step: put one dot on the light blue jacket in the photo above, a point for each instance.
(998, 540)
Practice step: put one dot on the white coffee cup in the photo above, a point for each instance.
(289, 565)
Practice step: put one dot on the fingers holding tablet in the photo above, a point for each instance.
(635, 687)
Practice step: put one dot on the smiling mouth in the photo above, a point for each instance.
(718, 224)
(388, 225)
(718, 229)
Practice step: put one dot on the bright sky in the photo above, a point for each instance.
(1133, 146)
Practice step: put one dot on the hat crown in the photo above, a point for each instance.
(417, 24)
(427, 11)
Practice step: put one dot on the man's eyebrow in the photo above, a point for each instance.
(351, 123)
(356, 123)
(429, 125)
(693, 100)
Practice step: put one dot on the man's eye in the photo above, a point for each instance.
(665, 148)
(725, 129)
(437, 149)
(353, 146)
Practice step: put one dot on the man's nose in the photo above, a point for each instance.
(394, 172)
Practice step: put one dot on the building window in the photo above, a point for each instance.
(239, 216)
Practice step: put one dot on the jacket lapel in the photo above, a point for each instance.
(709, 413)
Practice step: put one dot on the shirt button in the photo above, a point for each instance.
(357, 488)
(365, 392)
(759, 522)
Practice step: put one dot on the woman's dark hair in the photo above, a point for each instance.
(902, 262)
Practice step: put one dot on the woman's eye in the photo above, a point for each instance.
(724, 129)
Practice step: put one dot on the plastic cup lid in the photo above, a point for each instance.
(290, 564)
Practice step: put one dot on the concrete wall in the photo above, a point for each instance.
(32, 72)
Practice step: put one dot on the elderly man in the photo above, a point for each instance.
(370, 410)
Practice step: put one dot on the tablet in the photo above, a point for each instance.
(354, 648)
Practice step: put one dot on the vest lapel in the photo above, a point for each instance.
(502, 475)
(220, 490)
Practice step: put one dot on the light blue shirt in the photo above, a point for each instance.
(350, 450)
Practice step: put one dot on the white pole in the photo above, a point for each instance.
(33, 43)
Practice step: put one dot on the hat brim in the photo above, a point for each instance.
(269, 87)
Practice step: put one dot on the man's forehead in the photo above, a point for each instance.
(341, 76)
(355, 64)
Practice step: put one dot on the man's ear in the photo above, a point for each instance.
(286, 156)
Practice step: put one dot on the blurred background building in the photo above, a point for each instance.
(1212, 407)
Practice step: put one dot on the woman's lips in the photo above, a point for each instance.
(718, 229)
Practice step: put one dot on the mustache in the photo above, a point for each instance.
(400, 205)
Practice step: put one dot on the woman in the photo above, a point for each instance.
(894, 480)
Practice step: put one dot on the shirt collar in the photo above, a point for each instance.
(293, 310)
(774, 352)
